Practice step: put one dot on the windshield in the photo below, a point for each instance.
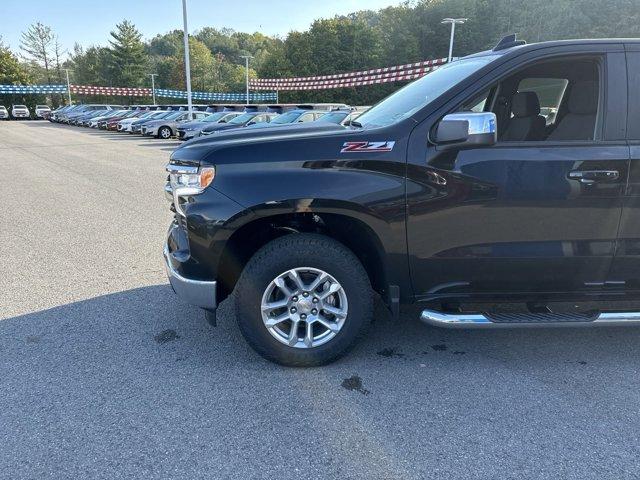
(336, 117)
(214, 117)
(411, 98)
(173, 116)
(288, 117)
(19, 106)
(240, 119)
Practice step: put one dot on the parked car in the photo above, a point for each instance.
(101, 120)
(82, 110)
(192, 129)
(299, 115)
(83, 120)
(4, 114)
(136, 126)
(244, 120)
(114, 119)
(452, 193)
(42, 111)
(340, 117)
(126, 124)
(20, 111)
(165, 127)
(112, 123)
(58, 112)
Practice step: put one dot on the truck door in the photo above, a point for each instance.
(625, 272)
(539, 211)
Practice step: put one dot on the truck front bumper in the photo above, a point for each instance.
(195, 292)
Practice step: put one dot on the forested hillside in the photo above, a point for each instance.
(362, 40)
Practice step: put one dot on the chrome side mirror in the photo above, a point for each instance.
(466, 130)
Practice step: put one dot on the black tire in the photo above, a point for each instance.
(296, 251)
(164, 129)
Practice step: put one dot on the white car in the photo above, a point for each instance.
(4, 114)
(41, 110)
(20, 111)
(125, 125)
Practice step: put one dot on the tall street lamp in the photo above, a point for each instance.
(187, 66)
(68, 85)
(246, 62)
(153, 86)
(453, 22)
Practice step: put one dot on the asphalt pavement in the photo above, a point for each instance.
(104, 373)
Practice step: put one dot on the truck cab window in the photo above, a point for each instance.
(549, 91)
(550, 101)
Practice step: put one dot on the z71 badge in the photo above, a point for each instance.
(358, 147)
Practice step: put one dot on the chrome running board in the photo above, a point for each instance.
(479, 320)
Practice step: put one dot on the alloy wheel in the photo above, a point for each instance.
(304, 307)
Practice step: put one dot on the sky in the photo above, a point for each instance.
(89, 22)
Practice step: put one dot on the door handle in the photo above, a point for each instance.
(589, 177)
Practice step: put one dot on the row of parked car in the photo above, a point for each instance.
(167, 121)
(23, 112)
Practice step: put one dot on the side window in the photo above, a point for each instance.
(555, 100)
(307, 117)
(550, 92)
(477, 103)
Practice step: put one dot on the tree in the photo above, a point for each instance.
(37, 42)
(128, 57)
(11, 72)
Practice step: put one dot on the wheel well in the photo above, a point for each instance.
(351, 232)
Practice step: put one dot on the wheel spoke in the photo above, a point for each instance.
(333, 288)
(269, 307)
(337, 312)
(273, 321)
(293, 275)
(333, 326)
(282, 285)
(308, 337)
(293, 334)
(319, 280)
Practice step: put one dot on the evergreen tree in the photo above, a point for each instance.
(128, 58)
(37, 43)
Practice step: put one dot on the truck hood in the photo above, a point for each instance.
(196, 151)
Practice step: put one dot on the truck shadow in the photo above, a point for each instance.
(149, 326)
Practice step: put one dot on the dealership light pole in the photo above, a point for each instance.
(187, 66)
(153, 86)
(246, 62)
(68, 85)
(453, 22)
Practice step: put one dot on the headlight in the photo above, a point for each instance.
(186, 181)
(196, 181)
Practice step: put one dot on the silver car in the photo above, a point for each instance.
(167, 127)
(4, 114)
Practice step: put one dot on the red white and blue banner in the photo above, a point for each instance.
(32, 89)
(223, 96)
(397, 73)
(134, 92)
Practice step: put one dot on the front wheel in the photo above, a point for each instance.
(303, 300)
(164, 132)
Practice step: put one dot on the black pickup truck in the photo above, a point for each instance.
(511, 176)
